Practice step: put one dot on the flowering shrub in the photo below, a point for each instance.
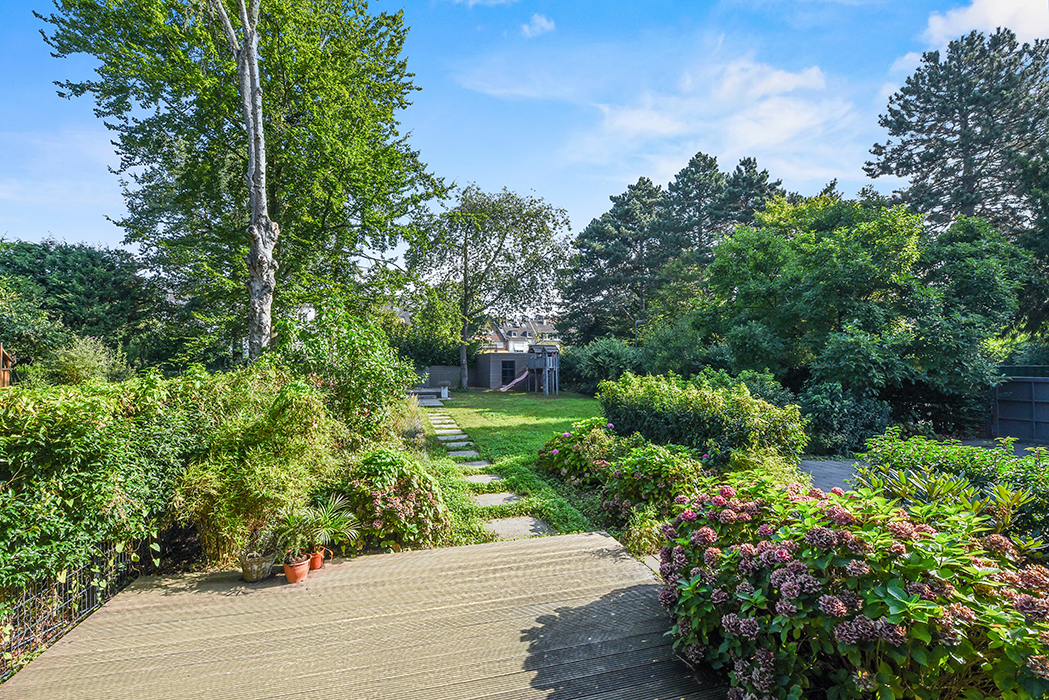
(396, 501)
(1013, 492)
(654, 474)
(716, 420)
(582, 455)
(805, 594)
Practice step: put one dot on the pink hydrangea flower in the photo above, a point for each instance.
(554, 452)
(566, 434)
(688, 515)
(609, 426)
(718, 500)
(838, 491)
(764, 531)
(727, 492)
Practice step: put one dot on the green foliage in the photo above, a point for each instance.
(584, 366)
(493, 253)
(614, 267)
(396, 501)
(351, 361)
(718, 421)
(838, 422)
(804, 595)
(27, 331)
(1013, 492)
(958, 124)
(432, 336)
(83, 360)
(582, 456)
(341, 180)
(270, 442)
(652, 475)
(89, 463)
(98, 292)
(643, 534)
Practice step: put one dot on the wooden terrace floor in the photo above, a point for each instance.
(561, 618)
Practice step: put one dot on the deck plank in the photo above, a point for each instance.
(571, 617)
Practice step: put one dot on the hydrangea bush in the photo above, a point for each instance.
(396, 501)
(652, 475)
(582, 455)
(799, 593)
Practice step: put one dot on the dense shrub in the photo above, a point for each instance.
(762, 385)
(396, 501)
(652, 475)
(814, 595)
(354, 365)
(88, 463)
(908, 469)
(582, 456)
(584, 367)
(84, 360)
(718, 421)
(840, 422)
(270, 442)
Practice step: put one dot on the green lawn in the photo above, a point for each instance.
(508, 430)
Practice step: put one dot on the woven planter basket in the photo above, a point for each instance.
(255, 566)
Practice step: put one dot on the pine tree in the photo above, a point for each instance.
(693, 209)
(746, 191)
(958, 124)
(608, 282)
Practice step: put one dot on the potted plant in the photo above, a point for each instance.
(292, 530)
(330, 521)
(256, 562)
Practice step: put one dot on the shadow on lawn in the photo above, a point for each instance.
(612, 647)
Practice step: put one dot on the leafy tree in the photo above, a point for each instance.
(189, 86)
(27, 331)
(499, 252)
(831, 291)
(959, 123)
(608, 282)
(98, 292)
(432, 335)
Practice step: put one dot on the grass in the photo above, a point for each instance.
(508, 430)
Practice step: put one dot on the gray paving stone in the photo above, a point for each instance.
(484, 478)
(458, 445)
(446, 431)
(464, 453)
(496, 499)
(430, 403)
(517, 528)
(452, 438)
(476, 463)
(826, 474)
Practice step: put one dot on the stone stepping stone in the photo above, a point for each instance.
(445, 426)
(453, 438)
(477, 463)
(517, 528)
(430, 403)
(496, 499)
(484, 478)
(446, 431)
(458, 445)
(464, 453)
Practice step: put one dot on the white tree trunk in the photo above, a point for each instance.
(263, 233)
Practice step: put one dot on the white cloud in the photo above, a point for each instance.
(1028, 19)
(905, 64)
(539, 24)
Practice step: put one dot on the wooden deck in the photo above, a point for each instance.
(561, 618)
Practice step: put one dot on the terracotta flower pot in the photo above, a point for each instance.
(317, 558)
(297, 572)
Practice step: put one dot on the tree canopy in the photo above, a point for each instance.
(959, 124)
(499, 252)
(340, 178)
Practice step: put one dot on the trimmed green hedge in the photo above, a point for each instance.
(717, 421)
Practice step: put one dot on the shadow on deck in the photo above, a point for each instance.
(560, 618)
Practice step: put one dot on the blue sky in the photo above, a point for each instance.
(571, 100)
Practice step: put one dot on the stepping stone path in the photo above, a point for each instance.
(504, 528)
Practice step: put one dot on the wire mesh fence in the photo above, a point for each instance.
(45, 610)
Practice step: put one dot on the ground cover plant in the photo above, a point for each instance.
(799, 593)
(1013, 492)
